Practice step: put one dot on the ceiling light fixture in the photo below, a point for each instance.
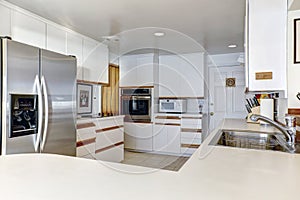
(159, 34)
(232, 46)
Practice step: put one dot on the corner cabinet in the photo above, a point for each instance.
(266, 45)
(181, 75)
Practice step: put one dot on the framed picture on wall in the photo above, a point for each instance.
(296, 41)
(84, 98)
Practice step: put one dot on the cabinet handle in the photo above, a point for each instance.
(211, 113)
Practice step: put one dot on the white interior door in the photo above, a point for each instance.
(226, 102)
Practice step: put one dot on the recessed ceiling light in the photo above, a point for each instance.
(159, 34)
(232, 46)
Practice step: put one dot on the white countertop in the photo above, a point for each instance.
(211, 173)
(89, 119)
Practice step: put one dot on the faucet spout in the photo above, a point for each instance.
(288, 131)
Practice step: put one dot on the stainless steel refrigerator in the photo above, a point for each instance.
(38, 100)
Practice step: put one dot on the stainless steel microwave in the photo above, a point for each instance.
(172, 105)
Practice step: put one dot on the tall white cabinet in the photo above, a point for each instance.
(266, 44)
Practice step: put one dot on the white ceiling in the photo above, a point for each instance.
(213, 23)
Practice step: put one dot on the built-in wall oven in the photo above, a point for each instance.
(136, 104)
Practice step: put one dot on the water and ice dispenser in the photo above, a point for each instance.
(24, 115)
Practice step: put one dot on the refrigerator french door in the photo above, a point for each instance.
(38, 90)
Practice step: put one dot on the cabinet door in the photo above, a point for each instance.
(267, 44)
(28, 30)
(144, 136)
(160, 138)
(74, 47)
(95, 61)
(173, 139)
(129, 136)
(144, 70)
(192, 74)
(128, 71)
(169, 76)
(56, 39)
(5, 21)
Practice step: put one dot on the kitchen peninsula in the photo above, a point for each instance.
(211, 173)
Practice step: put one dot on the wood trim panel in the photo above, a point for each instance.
(136, 87)
(85, 142)
(109, 128)
(168, 117)
(194, 130)
(191, 117)
(168, 124)
(86, 125)
(92, 82)
(109, 147)
(294, 111)
(193, 146)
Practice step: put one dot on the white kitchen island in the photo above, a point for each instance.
(211, 173)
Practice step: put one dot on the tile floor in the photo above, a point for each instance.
(173, 163)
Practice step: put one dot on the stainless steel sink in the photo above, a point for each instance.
(253, 140)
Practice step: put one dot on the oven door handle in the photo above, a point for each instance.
(140, 97)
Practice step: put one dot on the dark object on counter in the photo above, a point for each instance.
(248, 108)
(298, 95)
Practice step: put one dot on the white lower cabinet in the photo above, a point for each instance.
(166, 138)
(138, 136)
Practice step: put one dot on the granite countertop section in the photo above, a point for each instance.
(212, 173)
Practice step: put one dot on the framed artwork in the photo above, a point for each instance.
(296, 41)
(84, 98)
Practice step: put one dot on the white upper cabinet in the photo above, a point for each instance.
(95, 61)
(4, 21)
(181, 75)
(136, 70)
(27, 29)
(266, 44)
(74, 47)
(56, 39)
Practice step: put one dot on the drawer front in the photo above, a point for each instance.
(115, 154)
(101, 124)
(87, 133)
(167, 121)
(85, 150)
(107, 138)
(191, 123)
(191, 135)
(190, 140)
(187, 151)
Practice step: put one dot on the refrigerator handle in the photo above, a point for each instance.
(44, 88)
(40, 112)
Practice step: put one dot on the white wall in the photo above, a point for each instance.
(293, 69)
(222, 60)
